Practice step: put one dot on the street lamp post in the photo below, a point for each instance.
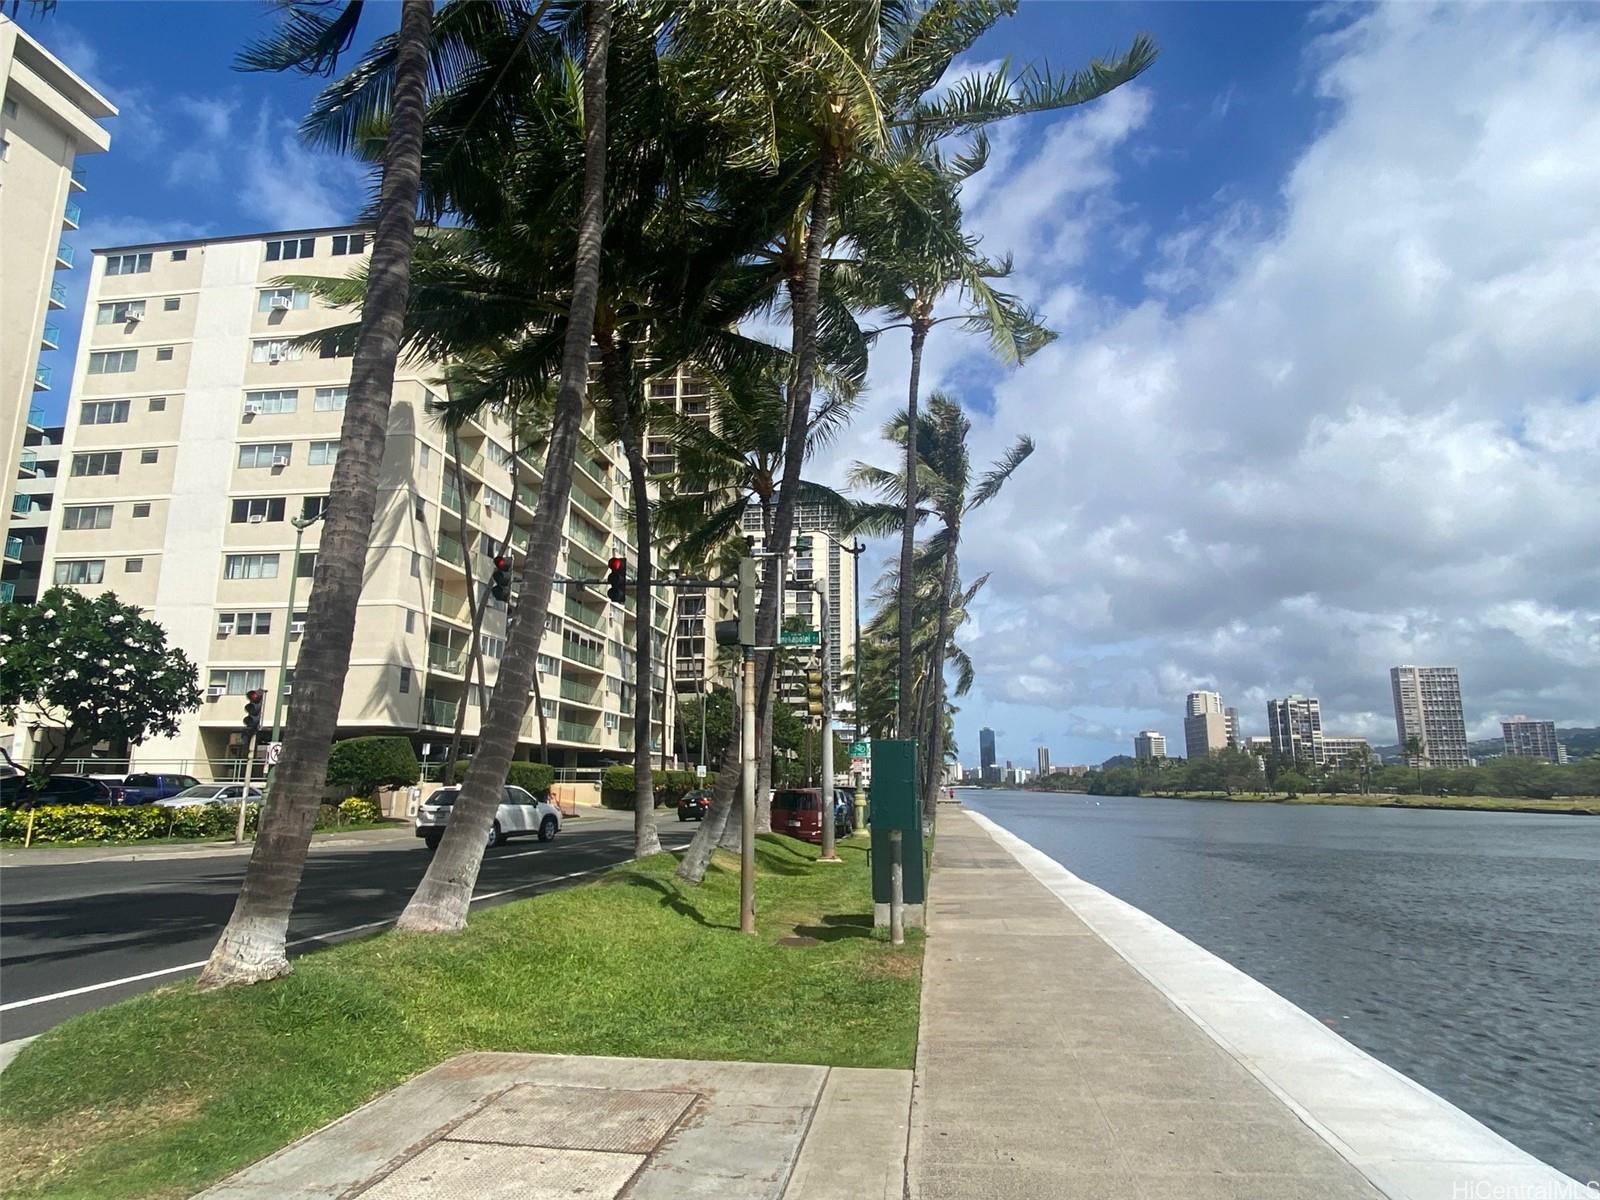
(301, 524)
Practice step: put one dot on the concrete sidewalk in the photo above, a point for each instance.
(1047, 1066)
(539, 1127)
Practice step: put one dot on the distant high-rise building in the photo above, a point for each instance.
(1203, 702)
(1295, 726)
(985, 750)
(1231, 716)
(1205, 733)
(1427, 706)
(1148, 744)
(1257, 744)
(1527, 738)
(1044, 761)
(1342, 751)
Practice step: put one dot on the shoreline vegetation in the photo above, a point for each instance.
(1582, 806)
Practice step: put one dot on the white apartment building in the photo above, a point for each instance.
(1148, 744)
(1339, 752)
(1529, 738)
(200, 430)
(1427, 706)
(48, 120)
(1203, 702)
(1294, 725)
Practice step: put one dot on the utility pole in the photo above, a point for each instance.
(830, 852)
(747, 799)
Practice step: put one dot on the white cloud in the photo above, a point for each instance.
(1359, 431)
(287, 186)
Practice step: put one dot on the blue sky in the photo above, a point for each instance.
(1324, 396)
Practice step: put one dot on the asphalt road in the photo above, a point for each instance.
(75, 937)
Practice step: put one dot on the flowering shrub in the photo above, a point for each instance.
(140, 822)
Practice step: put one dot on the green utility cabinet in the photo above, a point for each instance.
(894, 806)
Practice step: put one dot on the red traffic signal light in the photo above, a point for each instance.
(500, 581)
(252, 710)
(254, 695)
(501, 562)
(617, 579)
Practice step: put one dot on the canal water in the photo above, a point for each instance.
(1461, 948)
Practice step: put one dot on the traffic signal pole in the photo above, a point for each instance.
(830, 852)
(747, 799)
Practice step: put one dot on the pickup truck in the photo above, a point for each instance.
(144, 788)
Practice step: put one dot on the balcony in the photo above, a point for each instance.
(571, 731)
(586, 616)
(41, 382)
(29, 462)
(21, 504)
(581, 653)
(8, 592)
(579, 693)
(58, 295)
(50, 339)
(528, 497)
(36, 417)
(450, 551)
(64, 256)
(472, 461)
(77, 182)
(14, 549)
(595, 508)
(443, 658)
(71, 216)
(439, 712)
(449, 607)
(592, 542)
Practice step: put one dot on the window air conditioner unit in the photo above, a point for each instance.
(253, 408)
(275, 356)
(256, 518)
(223, 630)
(296, 628)
(280, 461)
(216, 691)
(281, 303)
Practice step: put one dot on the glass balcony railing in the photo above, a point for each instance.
(58, 295)
(527, 497)
(443, 658)
(21, 504)
(581, 653)
(593, 542)
(36, 416)
(580, 693)
(450, 550)
(29, 461)
(50, 339)
(41, 380)
(8, 592)
(438, 712)
(14, 551)
(571, 731)
(586, 616)
(80, 179)
(64, 255)
(590, 505)
(72, 215)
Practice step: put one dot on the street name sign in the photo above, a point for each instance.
(800, 637)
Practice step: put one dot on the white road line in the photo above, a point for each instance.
(317, 937)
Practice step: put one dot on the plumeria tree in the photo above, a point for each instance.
(91, 670)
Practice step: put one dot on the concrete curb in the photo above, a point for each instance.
(1408, 1142)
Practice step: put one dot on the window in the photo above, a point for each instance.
(323, 454)
(547, 665)
(158, 404)
(83, 570)
(283, 400)
(119, 312)
(422, 455)
(264, 454)
(405, 679)
(496, 503)
(10, 108)
(180, 255)
(133, 566)
(127, 264)
(141, 510)
(146, 457)
(306, 566)
(312, 507)
(291, 248)
(163, 353)
(244, 624)
(87, 516)
(330, 399)
(613, 721)
(273, 299)
(113, 362)
(349, 243)
(492, 647)
(238, 682)
(339, 345)
(499, 455)
(250, 566)
(273, 351)
(411, 621)
(416, 564)
(5, 149)
(106, 463)
(103, 412)
(257, 509)
(171, 304)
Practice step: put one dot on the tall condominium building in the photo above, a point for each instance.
(1205, 734)
(1340, 752)
(818, 557)
(1203, 702)
(1527, 738)
(200, 429)
(1148, 744)
(1427, 706)
(1230, 718)
(1295, 726)
(985, 749)
(1044, 761)
(48, 120)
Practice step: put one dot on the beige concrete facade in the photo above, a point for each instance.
(1148, 744)
(204, 432)
(49, 120)
(1427, 706)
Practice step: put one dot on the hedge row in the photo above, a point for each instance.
(140, 822)
(616, 786)
(534, 777)
(362, 765)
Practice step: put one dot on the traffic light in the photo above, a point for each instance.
(252, 711)
(617, 579)
(500, 581)
(814, 693)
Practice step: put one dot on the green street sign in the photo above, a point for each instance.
(860, 749)
(800, 637)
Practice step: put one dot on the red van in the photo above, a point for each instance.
(798, 813)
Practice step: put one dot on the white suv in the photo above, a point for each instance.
(519, 812)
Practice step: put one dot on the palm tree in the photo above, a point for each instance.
(1416, 750)
(310, 39)
(945, 465)
(441, 899)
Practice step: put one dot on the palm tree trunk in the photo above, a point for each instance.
(947, 585)
(904, 724)
(442, 898)
(718, 819)
(667, 664)
(251, 948)
(645, 840)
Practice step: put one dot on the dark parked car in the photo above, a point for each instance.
(693, 806)
(147, 789)
(72, 789)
